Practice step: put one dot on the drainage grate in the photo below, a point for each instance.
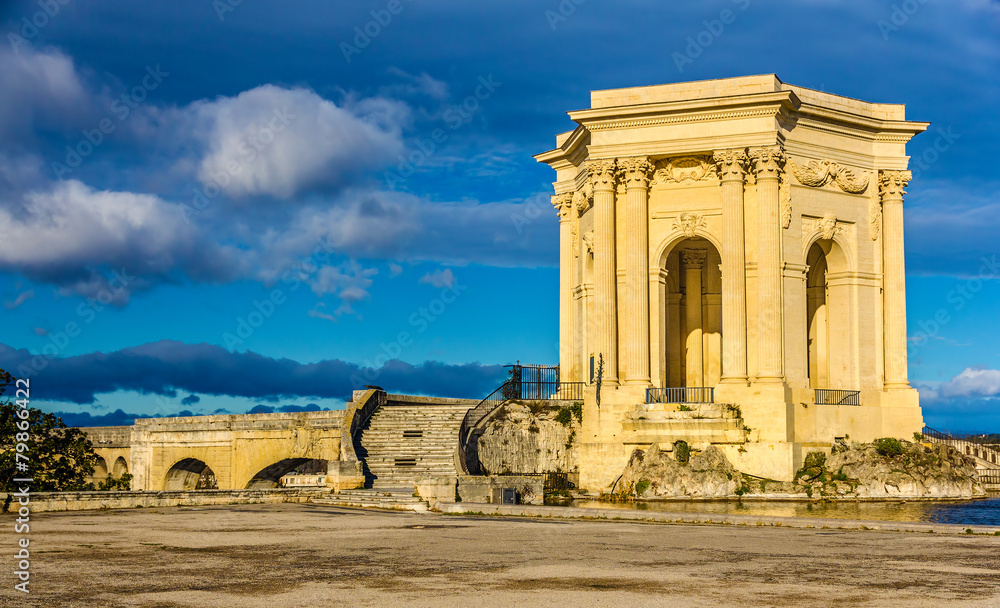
(413, 434)
(406, 462)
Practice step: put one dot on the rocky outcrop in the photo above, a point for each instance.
(530, 437)
(654, 474)
(886, 468)
(890, 468)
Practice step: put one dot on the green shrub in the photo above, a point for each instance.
(564, 417)
(684, 408)
(889, 447)
(918, 437)
(577, 409)
(641, 486)
(682, 452)
(814, 459)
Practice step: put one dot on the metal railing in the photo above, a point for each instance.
(681, 394)
(991, 439)
(826, 396)
(534, 382)
(990, 477)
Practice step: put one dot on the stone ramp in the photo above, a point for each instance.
(410, 439)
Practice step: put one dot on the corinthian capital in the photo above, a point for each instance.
(693, 258)
(563, 204)
(768, 161)
(732, 164)
(603, 173)
(892, 184)
(637, 170)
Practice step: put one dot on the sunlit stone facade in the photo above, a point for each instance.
(743, 235)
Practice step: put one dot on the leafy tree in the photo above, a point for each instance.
(58, 458)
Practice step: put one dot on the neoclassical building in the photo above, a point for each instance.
(731, 271)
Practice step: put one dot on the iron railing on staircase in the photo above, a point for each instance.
(534, 382)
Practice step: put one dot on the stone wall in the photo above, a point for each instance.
(480, 488)
(42, 502)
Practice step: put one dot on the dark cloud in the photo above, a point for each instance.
(190, 400)
(165, 367)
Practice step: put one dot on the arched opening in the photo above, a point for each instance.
(693, 320)
(100, 468)
(120, 468)
(270, 477)
(190, 474)
(831, 343)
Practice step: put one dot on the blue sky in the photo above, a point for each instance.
(172, 173)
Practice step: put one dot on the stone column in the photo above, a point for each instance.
(768, 163)
(564, 205)
(732, 170)
(693, 261)
(603, 175)
(636, 172)
(891, 187)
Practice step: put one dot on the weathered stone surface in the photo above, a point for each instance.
(939, 471)
(654, 474)
(855, 471)
(527, 438)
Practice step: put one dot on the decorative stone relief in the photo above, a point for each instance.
(689, 223)
(693, 258)
(874, 214)
(574, 232)
(730, 164)
(588, 241)
(685, 168)
(767, 162)
(583, 198)
(892, 184)
(785, 196)
(826, 227)
(603, 173)
(819, 173)
(636, 171)
(563, 204)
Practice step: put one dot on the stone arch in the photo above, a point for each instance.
(829, 317)
(120, 467)
(676, 237)
(190, 474)
(688, 324)
(270, 476)
(833, 238)
(100, 469)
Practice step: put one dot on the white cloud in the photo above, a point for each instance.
(282, 142)
(972, 382)
(439, 278)
(38, 89)
(63, 234)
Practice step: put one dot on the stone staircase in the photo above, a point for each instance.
(665, 423)
(401, 499)
(407, 440)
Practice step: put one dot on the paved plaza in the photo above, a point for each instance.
(308, 555)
